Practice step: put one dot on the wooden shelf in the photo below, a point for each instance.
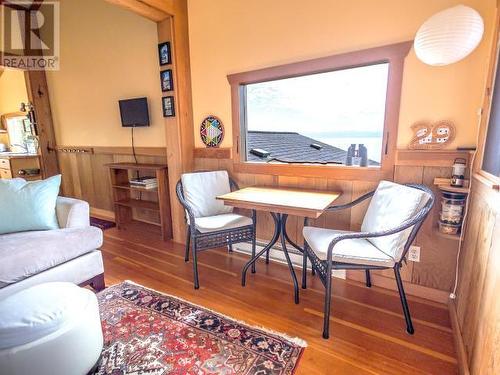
(444, 185)
(137, 203)
(135, 188)
(133, 166)
(128, 209)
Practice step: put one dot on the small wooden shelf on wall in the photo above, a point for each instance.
(444, 184)
(134, 205)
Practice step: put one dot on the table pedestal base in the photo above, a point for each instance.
(279, 231)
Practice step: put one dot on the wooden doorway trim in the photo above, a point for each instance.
(172, 24)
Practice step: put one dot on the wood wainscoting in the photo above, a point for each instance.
(477, 306)
(431, 278)
(86, 176)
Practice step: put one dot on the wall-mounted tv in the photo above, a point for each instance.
(134, 112)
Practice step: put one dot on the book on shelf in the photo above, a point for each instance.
(143, 181)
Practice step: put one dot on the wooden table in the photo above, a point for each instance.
(280, 202)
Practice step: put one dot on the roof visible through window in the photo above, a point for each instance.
(285, 117)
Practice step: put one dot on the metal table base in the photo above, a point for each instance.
(279, 231)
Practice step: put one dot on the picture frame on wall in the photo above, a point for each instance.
(164, 53)
(168, 106)
(166, 79)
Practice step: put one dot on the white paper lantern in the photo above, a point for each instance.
(449, 36)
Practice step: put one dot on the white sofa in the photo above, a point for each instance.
(67, 254)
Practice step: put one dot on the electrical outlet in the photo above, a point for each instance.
(414, 254)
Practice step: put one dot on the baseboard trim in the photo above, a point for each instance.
(463, 366)
(102, 214)
(431, 294)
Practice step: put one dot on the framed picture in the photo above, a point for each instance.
(164, 53)
(168, 106)
(167, 82)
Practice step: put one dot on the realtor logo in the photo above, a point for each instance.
(29, 34)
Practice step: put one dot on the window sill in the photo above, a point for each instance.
(308, 170)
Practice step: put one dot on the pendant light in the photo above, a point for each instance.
(449, 36)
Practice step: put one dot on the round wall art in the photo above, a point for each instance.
(212, 131)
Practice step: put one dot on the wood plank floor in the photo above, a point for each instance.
(367, 330)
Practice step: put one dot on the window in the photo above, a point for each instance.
(316, 118)
(303, 118)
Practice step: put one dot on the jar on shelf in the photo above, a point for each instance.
(452, 212)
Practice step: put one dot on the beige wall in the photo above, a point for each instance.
(12, 90)
(107, 54)
(231, 36)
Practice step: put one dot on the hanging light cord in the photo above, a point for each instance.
(453, 294)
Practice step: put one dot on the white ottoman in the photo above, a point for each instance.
(50, 329)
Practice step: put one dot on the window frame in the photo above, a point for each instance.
(393, 54)
(484, 176)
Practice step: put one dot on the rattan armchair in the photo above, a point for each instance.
(210, 224)
(328, 249)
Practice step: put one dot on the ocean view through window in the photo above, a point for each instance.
(315, 118)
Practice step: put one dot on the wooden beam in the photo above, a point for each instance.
(431, 158)
(38, 95)
(165, 6)
(142, 9)
(179, 129)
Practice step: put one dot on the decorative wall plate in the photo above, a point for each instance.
(212, 131)
(431, 136)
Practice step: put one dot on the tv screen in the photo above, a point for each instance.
(134, 112)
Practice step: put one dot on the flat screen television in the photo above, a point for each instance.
(134, 112)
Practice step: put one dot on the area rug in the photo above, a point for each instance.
(101, 223)
(151, 333)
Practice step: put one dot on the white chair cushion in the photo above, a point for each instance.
(200, 190)
(356, 251)
(390, 206)
(221, 222)
(38, 311)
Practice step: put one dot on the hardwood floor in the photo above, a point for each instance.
(367, 334)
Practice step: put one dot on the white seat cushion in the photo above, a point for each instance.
(38, 311)
(221, 222)
(357, 251)
(390, 206)
(200, 190)
(26, 254)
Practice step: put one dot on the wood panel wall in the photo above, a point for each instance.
(476, 311)
(432, 277)
(478, 303)
(86, 176)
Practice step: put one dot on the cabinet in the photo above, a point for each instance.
(25, 166)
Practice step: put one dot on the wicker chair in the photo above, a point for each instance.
(210, 224)
(394, 216)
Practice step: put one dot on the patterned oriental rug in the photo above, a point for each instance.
(150, 333)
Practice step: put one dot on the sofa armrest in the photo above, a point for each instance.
(72, 213)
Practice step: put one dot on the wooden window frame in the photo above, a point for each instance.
(393, 54)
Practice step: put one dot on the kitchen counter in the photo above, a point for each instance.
(16, 155)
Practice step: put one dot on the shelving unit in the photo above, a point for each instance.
(130, 201)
